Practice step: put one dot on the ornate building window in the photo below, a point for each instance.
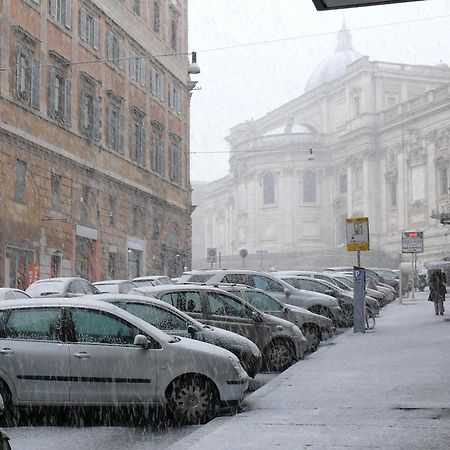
(116, 124)
(176, 163)
(158, 153)
(156, 16)
(61, 10)
(343, 183)
(392, 183)
(357, 177)
(28, 71)
(173, 239)
(60, 94)
(268, 189)
(90, 108)
(356, 102)
(114, 49)
(157, 87)
(174, 25)
(309, 187)
(137, 67)
(138, 137)
(89, 28)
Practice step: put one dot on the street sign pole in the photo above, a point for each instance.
(359, 322)
(358, 258)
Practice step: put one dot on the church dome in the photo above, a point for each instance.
(335, 65)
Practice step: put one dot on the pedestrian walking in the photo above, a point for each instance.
(437, 290)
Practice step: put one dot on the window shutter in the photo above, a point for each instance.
(161, 87)
(68, 102)
(53, 8)
(110, 127)
(180, 164)
(121, 133)
(51, 102)
(83, 24)
(132, 65)
(121, 54)
(154, 81)
(142, 71)
(18, 74)
(179, 101)
(35, 82)
(97, 105)
(95, 34)
(143, 144)
(162, 151)
(109, 44)
(134, 153)
(68, 19)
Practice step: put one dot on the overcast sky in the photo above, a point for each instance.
(246, 82)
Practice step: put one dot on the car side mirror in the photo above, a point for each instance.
(256, 316)
(141, 341)
(287, 292)
(191, 330)
(285, 310)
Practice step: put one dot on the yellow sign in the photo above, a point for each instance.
(357, 231)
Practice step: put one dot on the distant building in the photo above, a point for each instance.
(367, 138)
(94, 133)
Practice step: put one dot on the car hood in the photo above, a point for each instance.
(309, 316)
(310, 295)
(202, 349)
(228, 339)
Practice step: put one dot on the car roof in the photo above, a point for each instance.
(111, 282)
(63, 279)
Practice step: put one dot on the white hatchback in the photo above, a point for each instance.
(87, 352)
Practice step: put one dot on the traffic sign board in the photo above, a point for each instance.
(357, 234)
(412, 241)
(211, 255)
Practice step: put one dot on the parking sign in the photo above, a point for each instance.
(412, 242)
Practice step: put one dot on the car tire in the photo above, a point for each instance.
(7, 417)
(279, 355)
(312, 335)
(192, 400)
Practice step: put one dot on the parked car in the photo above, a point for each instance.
(343, 297)
(175, 322)
(346, 282)
(68, 352)
(280, 342)
(152, 280)
(12, 293)
(314, 327)
(318, 303)
(61, 287)
(114, 286)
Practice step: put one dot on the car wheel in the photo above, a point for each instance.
(312, 336)
(279, 355)
(192, 400)
(7, 417)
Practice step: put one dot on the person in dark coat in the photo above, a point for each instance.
(437, 290)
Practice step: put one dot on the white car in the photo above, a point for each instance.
(62, 351)
(12, 293)
(114, 286)
(152, 280)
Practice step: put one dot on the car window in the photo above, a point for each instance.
(342, 285)
(238, 278)
(267, 284)
(307, 285)
(159, 317)
(222, 305)
(200, 278)
(126, 287)
(263, 302)
(86, 287)
(187, 301)
(43, 324)
(98, 327)
(74, 287)
(319, 287)
(19, 294)
(294, 282)
(9, 296)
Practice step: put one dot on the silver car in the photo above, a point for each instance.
(314, 327)
(12, 293)
(175, 322)
(85, 352)
(61, 287)
(114, 286)
(280, 342)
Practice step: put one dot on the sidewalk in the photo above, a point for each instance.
(386, 389)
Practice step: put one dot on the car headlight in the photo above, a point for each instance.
(237, 367)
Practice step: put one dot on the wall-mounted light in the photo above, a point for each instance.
(194, 68)
(310, 156)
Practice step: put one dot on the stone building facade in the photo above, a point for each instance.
(367, 138)
(94, 138)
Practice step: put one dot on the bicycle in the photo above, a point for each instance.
(370, 319)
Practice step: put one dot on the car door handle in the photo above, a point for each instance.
(82, 355)
(6, 351)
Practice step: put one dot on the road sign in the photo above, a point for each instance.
(412, 242)
(211, 255)
(357, 230)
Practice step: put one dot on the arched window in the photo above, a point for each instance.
(268, 189)
(309, 187)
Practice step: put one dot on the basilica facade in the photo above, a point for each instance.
(366, 139)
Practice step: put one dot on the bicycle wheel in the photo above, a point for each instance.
(370, 320)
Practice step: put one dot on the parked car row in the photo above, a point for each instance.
(190, 346)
